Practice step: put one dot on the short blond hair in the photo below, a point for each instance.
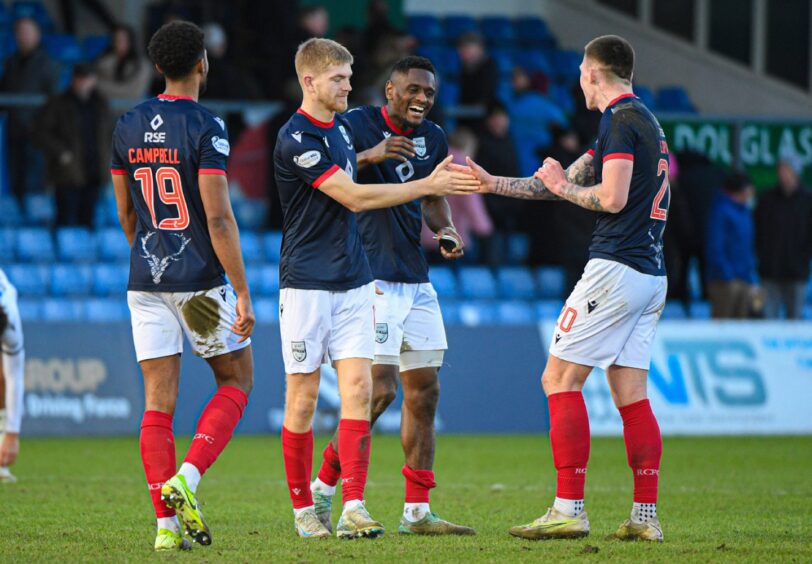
(316, 55)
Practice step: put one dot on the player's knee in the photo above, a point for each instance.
(382, 398)
(357, 391)
(302, 405)
(422, 396)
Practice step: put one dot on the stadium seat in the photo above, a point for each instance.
(548, 309)
(30, 310)
(5, 17)
(674, 99)
(266, 310)
(94, 45)
(63, 48)
(444, 281)
(273, 245)
(694, 280)
(35, 245)
(426, 29)
(39, 209)
(106, 213)
(534, 60)
(504, 59)
(251, 246)
(516, 283)
(445, 59)
(561, 95)
(646, 96)
(8, 245)
(566, 65)
(518, 248)
(31, 280)
(477, 313)
(451, 312)
(101, 310)
(551, 282)
(806, 313)
(700, 310)
(60, 309)
(673, 310)
(498, 31)
(110, 279)
(449, 93)
(70, 280)
(458, 25)
(11, 215)
(809, 292)
(269, 280)
(113, 245)
(477, 283)
(515, 312)
(250, 213)
(76, 244)
(533, 32)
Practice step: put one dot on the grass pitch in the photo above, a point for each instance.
(725, 499)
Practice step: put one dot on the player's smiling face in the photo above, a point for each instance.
(411, 96)
(333, 87)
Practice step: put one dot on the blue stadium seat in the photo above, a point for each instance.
(39, 209)
(273, 245)
(809, 292)
(449, 93)
(110, 279)
(251, 246)
(673, 310)
(31, 280)
(515, 312)
(451, 312)
(561, 95)
(551, 282)
(477, 283)
(30, 310)
(252, 276)
(498, 31)
(76, 244)
(32, 9)
(444, 281)
(70, 280)
(63, 47)
(694, 281)
(269, 280)
(113, 245)
(101, 310)
(806, 313)
(250, 213)
(516, 283)
(60, 309)
(266, 310)
(674, 99)
(426, 28)
(35, 245)
(646, 96)
(475, 313)
(11, 215)
(566, 65)
(5, 17)
(94, 45)
(534, 60)
(8, 245)
(699, 310)
(445, 59)
(457, 25)
(533, 32)
(548, 309)
(518, 248)
(504, 59)
(106, 213)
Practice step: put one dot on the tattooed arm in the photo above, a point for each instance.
(609, 196)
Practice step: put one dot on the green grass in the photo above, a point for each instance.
(731, 499)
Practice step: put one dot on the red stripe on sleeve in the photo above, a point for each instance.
(211, 171)
(325, 175)
(118, 171)
(624, 156)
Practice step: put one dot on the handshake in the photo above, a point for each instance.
(449, 179)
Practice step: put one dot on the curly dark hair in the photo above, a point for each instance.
(404, 65)
(176, 48)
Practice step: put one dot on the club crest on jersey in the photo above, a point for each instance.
(221, 145)
(381, 332)
(420, 147)
(308, 159)
(345, 135)
(299, 350)
(158, 265)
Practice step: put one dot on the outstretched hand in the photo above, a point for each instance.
(486, 180)
(448, 179)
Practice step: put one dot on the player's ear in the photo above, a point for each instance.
(389, 90)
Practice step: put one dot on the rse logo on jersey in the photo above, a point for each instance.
(155, 136)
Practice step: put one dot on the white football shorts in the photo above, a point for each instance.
(160, 319)
(11, 341)
(323, 326)
(407, 318)
(611, 317)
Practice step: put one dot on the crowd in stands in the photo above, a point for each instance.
(508, 97)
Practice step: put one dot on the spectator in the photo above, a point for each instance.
(479, 75)
(470, 216)
(122, 71)
(74, 129)
(28, 71)
(729, 254)
(783, 220)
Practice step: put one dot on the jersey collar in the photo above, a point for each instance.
(316, 122)
(172, 98)
(619, 98)
(391, 125)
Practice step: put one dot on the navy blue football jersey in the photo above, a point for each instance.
(321, 245)
(634, 237)
(162, 145)
(391, 236)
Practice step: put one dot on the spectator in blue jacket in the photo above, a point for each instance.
(729, 254)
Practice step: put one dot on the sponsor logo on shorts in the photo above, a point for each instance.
(591, 305)
(299, 350)
(381, 332)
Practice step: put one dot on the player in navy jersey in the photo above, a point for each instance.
(169, 175)
(611, 316)
(395, 143)
(326, 299)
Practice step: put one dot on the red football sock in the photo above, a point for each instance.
(297, 449)
(215, 426)
(158, 456)
(569, 435)
(354, 443)
(644, 448)
(330, 470)
(418, 484)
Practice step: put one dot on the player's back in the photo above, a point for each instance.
(629, 131)
(392, 235)
(162, 145)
